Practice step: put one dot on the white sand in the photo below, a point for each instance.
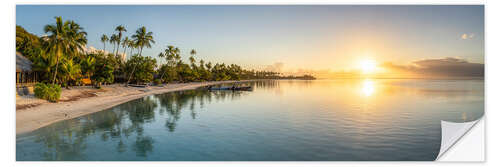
(33, 113)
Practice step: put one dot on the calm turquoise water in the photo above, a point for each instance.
(279, 120)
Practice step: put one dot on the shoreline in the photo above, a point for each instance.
(44, 113)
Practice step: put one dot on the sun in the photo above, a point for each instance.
(368, 66)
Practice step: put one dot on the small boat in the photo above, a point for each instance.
(244, 88)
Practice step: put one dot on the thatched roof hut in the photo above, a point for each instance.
(25, 77)
(22, 63)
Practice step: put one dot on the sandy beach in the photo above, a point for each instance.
(33, 113)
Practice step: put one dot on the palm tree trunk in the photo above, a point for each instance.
(117, 48)
(104, 47)
(67, 82)
(161, 78)
(57, 65)
(133, 69)
(132, 73)
(140, 52)
(125, 51)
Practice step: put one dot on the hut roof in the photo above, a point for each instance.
(22, 63)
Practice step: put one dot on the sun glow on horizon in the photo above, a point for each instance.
(368, 66)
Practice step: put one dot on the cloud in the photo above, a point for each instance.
(446, 67)
(464, 36)
(428, 68)
(276, 67)
(467, 36)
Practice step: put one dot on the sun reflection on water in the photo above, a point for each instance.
(368, 88)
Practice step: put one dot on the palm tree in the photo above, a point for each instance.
(172, 53)
(63, 39)
(172, 56)
(120, 29)
(202, 70)
(161, 55)
(104, 39)
(209, 66)
(125, 44)
(114, 40)
(43, 63)
(202, 64)
(88, 66)
(77, 38)
(177, 55)
(193, 52)
(192, 60)
(193, 64)
(142, 39)
(132, 46)
(71, 71)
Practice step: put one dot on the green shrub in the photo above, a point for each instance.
(157, 82)
(49, 92)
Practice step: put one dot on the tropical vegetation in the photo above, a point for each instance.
(49, 92)
(61, 58)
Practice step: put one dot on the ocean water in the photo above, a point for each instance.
(284, 120)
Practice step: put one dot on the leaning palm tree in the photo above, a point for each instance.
(142, 39)
(104, 39)
(126, 40)
(132, 46)
(120, 29)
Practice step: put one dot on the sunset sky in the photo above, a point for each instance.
(311, 38)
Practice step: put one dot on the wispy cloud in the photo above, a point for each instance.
(448, 67)
(467, 36)
(445, 67)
